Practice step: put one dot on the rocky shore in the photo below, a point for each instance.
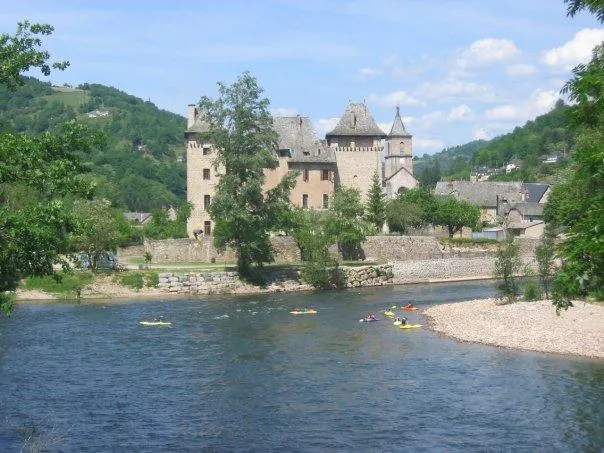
(532, 326)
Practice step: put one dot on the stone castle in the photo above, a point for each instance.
(349, 156)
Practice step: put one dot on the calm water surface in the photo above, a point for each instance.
(242, 374)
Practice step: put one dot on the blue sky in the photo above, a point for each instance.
(459, 70)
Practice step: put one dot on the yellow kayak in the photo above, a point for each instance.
(304, 312)
(389, 314)
(410, 326)
(397, 323)
(155, 323)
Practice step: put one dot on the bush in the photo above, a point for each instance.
(152, 279)
(133, 280)
(532, 289)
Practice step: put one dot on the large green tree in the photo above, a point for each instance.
(576, 204)
(34, 228)
(345, 222)
(244, 214)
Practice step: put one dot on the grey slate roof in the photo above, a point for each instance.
(535, 191)
(398, 128)
(528, 208)
(357, 121)
(296, 134)
(482, 194)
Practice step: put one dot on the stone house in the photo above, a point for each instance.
(349, 156)
(517, 205)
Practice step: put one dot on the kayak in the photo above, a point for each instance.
(410, 326)
(155, 323)
(389, 313)
(409, 308)
(304, 312)
(397, 323)
(368, 320)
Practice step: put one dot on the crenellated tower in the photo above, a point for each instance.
(357, 144)
(399, 153)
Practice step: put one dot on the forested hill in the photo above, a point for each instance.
(141, 168)
(546, 135)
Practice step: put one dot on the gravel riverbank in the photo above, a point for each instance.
(530, 326)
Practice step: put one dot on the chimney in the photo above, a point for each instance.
(191, 115)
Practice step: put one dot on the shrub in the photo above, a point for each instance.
(152, 279)
(532, 289)
(133, 279)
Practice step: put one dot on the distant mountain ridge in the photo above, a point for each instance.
(546, 135)
(142, 167)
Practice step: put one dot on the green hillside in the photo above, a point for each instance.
(547, 134)
(141, 167)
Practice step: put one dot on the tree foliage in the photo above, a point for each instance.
(576, 204)
(21, 52)
(34, 228)
(376, 204)
(455, 214)
(507, 267)
(345, 222)
(241, 129)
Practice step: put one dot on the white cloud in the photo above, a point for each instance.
(542, 101)
(517, 70)
(486, 51)
(428, 143)
(460, 113)
(427, 120)
(502, 112)
(283, 111)
(577, 50)
(456, 89)
(393, 99)
(481, 134)
(325, 125)
(367, 73)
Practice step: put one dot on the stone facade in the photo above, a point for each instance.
(349, 156)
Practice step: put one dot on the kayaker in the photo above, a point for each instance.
(409, 306)
(403, 321)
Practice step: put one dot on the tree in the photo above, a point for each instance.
(455, 214)
(376, 204)
(97, 229)
(545, 254)
(34, 229)
(576, 204)
(21, 52)
(507, 267)
(345, 222)
(404, 215)
(241, 128)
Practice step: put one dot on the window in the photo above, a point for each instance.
(324, 175)
(206, 202)
(305, 175)
(206, 174)
(207, 150)
(305, 200)
(325, 201)
(207, 228)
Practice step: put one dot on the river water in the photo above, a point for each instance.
(243, 374)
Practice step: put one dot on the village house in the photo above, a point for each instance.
(516, 205)
(349, 156)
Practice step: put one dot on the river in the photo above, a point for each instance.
(243, 374)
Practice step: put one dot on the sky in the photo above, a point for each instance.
(459, 69)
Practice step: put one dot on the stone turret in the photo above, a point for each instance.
(399, 154)
(357, 143)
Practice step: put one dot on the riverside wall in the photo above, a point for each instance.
(380, 249)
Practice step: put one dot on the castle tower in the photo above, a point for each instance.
(202, 177)
(356, 141)
(399, 154)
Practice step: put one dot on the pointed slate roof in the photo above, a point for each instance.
(357, 121)
(296, 133)
(398, 128)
